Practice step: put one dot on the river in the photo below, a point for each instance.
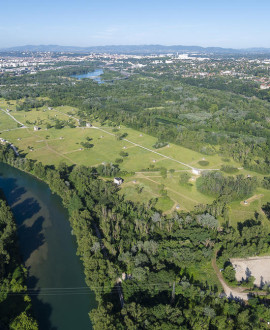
(95, 75)
(48, 250)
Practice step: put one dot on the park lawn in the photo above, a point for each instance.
(7, 104)
(24, 139)
(149, 191)
(169, 164)
(6, 122)
(164, 203)
(138, 159)
(40, 117)
(239, 212)
(54, 145)
(48, 157)
(176, 152)
(132, 194)
(67, 109)
(186, 196)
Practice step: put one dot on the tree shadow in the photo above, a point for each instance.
(32, 236)
(14, 192)
(41, 311)
(15, 304)
(25, 210)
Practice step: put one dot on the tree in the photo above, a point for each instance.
(163, 172)
(184, 178)
(229, 273)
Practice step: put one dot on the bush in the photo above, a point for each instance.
(119, 160)
(87, 145)
(203, 162)
(266, 182)
(229, 273)
(229, 169)
(123, 153)
(163, 172)
(184, 178)
(160, 144)
(226, 160)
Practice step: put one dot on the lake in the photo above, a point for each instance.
(60, 297)
(95, 75)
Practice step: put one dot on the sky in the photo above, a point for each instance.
(221, 23)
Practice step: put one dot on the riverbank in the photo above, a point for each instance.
(61, 298)
(15, 302)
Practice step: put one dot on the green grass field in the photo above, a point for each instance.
(51, 146)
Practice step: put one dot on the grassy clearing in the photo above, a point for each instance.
(204, 272)
(239, 212)
(6, 122)
(54, 145)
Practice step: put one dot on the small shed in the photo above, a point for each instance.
(36, 128)
(196, 171)
(88, 125)
(118, 181)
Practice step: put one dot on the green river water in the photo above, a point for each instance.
(61, 299)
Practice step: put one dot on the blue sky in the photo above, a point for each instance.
(236, 24)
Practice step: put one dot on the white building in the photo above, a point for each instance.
(196, 171)
(118, 181)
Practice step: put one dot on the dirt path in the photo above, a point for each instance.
(251, 199)
(12, 129)
(7, 113)
(230, 292)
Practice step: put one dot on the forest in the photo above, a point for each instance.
(15, 304)
(151, 254)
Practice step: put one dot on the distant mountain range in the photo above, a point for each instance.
(135, 49)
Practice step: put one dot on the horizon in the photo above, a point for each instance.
(227, 25)
(131, 45)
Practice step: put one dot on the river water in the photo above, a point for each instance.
(49, 253)
(95, 75)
